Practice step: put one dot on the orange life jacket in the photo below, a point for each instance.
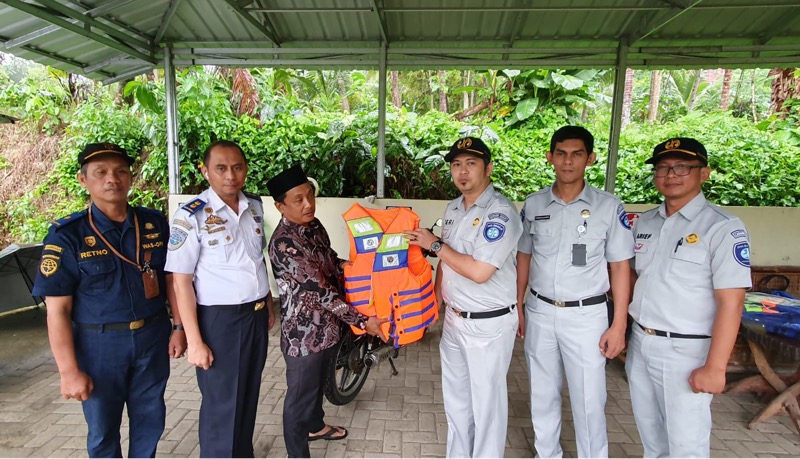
(387, 277)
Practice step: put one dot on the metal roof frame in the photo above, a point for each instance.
(113, 40)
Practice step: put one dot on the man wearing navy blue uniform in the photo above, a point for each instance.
(103, 279)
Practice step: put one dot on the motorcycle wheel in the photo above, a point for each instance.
(346, 372)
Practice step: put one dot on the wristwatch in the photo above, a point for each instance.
(177, 327)
(436, 246)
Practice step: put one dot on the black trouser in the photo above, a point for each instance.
(237, 338)
(302, 406)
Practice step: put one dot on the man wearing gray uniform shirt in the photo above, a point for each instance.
(572, 233)
(476, 278)
(693, 267)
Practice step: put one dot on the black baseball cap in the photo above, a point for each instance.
(95, 150)
(469, 146)
(679, 147)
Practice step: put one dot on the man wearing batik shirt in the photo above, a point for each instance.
(307, 271)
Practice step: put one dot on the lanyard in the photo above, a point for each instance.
(111, 247)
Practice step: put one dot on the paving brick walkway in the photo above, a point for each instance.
(399, 416)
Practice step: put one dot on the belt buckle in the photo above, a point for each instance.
(458, 313)
(559, 304)
(136, 324)
(259, 306)
(649, 331)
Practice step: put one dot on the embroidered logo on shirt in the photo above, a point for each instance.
(177, 238)
(623, 217)
(493, 231)
(741, 252)
(90, 241)
(148, 226)
(48, 267)
(739, 234)
(644, 236)
(183, 223)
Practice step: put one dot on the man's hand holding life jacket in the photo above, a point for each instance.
(374, 327)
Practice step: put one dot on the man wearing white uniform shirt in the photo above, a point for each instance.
(572, 234)
(693, 267)
(476, 278)
(215, 255)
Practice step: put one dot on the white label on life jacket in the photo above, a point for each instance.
(390, 260)
(394, 241)
(371, 243)
(363, 227)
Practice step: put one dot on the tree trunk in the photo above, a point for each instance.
(655, 96)
(698, 77)
(466, 93)
(627, 97)
(442, 93)
(785, 85)
(725, 99)
(753, 95)
(343, 94)
(396, 100)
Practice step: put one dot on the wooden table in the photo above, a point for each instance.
(786, 388)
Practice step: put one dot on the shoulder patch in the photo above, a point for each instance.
(177, 238)
(740, 233)
(493, 231)
(194, 206)
(741, 252)
(622, 216)
(65, 221)
(498, 216)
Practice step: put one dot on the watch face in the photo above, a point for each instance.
(436, 246)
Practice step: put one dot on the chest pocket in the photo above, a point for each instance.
(691, 253)
(595, 243)
(217, 245)
(97, 274)
(688, 263)
(543, 236)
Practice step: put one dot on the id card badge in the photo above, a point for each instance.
(578, 254)
(150, 281)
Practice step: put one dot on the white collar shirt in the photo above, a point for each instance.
(223, 249)
(680, 261)
(551, 228)
(488, 231)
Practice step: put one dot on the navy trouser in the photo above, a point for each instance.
(237, 337)
(302, 406)
(127, 367)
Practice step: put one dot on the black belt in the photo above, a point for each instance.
(484, 315)
(256, 305)
(652, 331)
(117, 326)
(572, 304)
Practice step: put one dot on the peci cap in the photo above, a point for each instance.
(286, 180)
(94, 150)
(469, 146)
(679, 147)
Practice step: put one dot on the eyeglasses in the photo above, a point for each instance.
(679, 169)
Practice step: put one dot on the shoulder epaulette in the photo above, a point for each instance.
(251, 195)
(65, 221)
(194, 206)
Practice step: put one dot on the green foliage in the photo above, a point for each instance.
(300, 121)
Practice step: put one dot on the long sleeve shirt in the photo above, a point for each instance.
(308, 272)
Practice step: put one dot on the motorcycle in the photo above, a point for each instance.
(355, 355)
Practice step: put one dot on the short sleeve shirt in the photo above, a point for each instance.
(551, 229)
(223, 249)
(105, 289)
(488, 231)
(680, 261)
